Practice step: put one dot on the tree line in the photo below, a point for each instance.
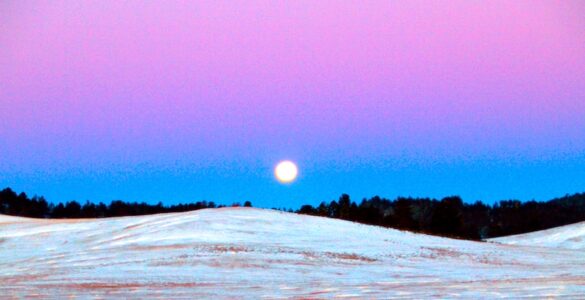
(21, 205)
(450, 216)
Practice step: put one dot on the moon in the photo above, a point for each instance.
(286, 171)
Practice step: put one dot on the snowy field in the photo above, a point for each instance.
(252, 253)
(569, 237)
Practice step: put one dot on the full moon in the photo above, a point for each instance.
(286, 171)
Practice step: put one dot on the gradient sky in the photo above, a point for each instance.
(184, 101)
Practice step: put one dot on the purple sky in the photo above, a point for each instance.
(194, 100)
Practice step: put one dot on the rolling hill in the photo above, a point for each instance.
(568, 237)
(256, 253)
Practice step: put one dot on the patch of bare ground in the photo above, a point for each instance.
(134, 226)
(312, 295)
(227, 248)
(15, 279)
(292, 262)
(440, 252)
(309, 255)
(211, 248)
(552, 280)
(334, 255)
(482, 284)
(349, 256)
(125, 286)
(117, 239)
(489, 260)
(230, 263)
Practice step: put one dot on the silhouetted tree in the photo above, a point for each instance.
(448, 217)
(402, 217)
(307, 210)
(344, 207)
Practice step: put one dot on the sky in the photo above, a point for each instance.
(181, 101)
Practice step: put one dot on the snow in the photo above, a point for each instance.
(265, 254)
(568, 237)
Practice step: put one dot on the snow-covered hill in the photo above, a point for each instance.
(254, 253)
(569, 237)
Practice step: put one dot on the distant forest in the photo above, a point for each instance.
(449, 216)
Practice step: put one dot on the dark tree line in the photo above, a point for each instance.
(37, 207)
(452, 217)
(449, 216)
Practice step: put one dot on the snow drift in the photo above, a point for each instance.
(255, 253)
